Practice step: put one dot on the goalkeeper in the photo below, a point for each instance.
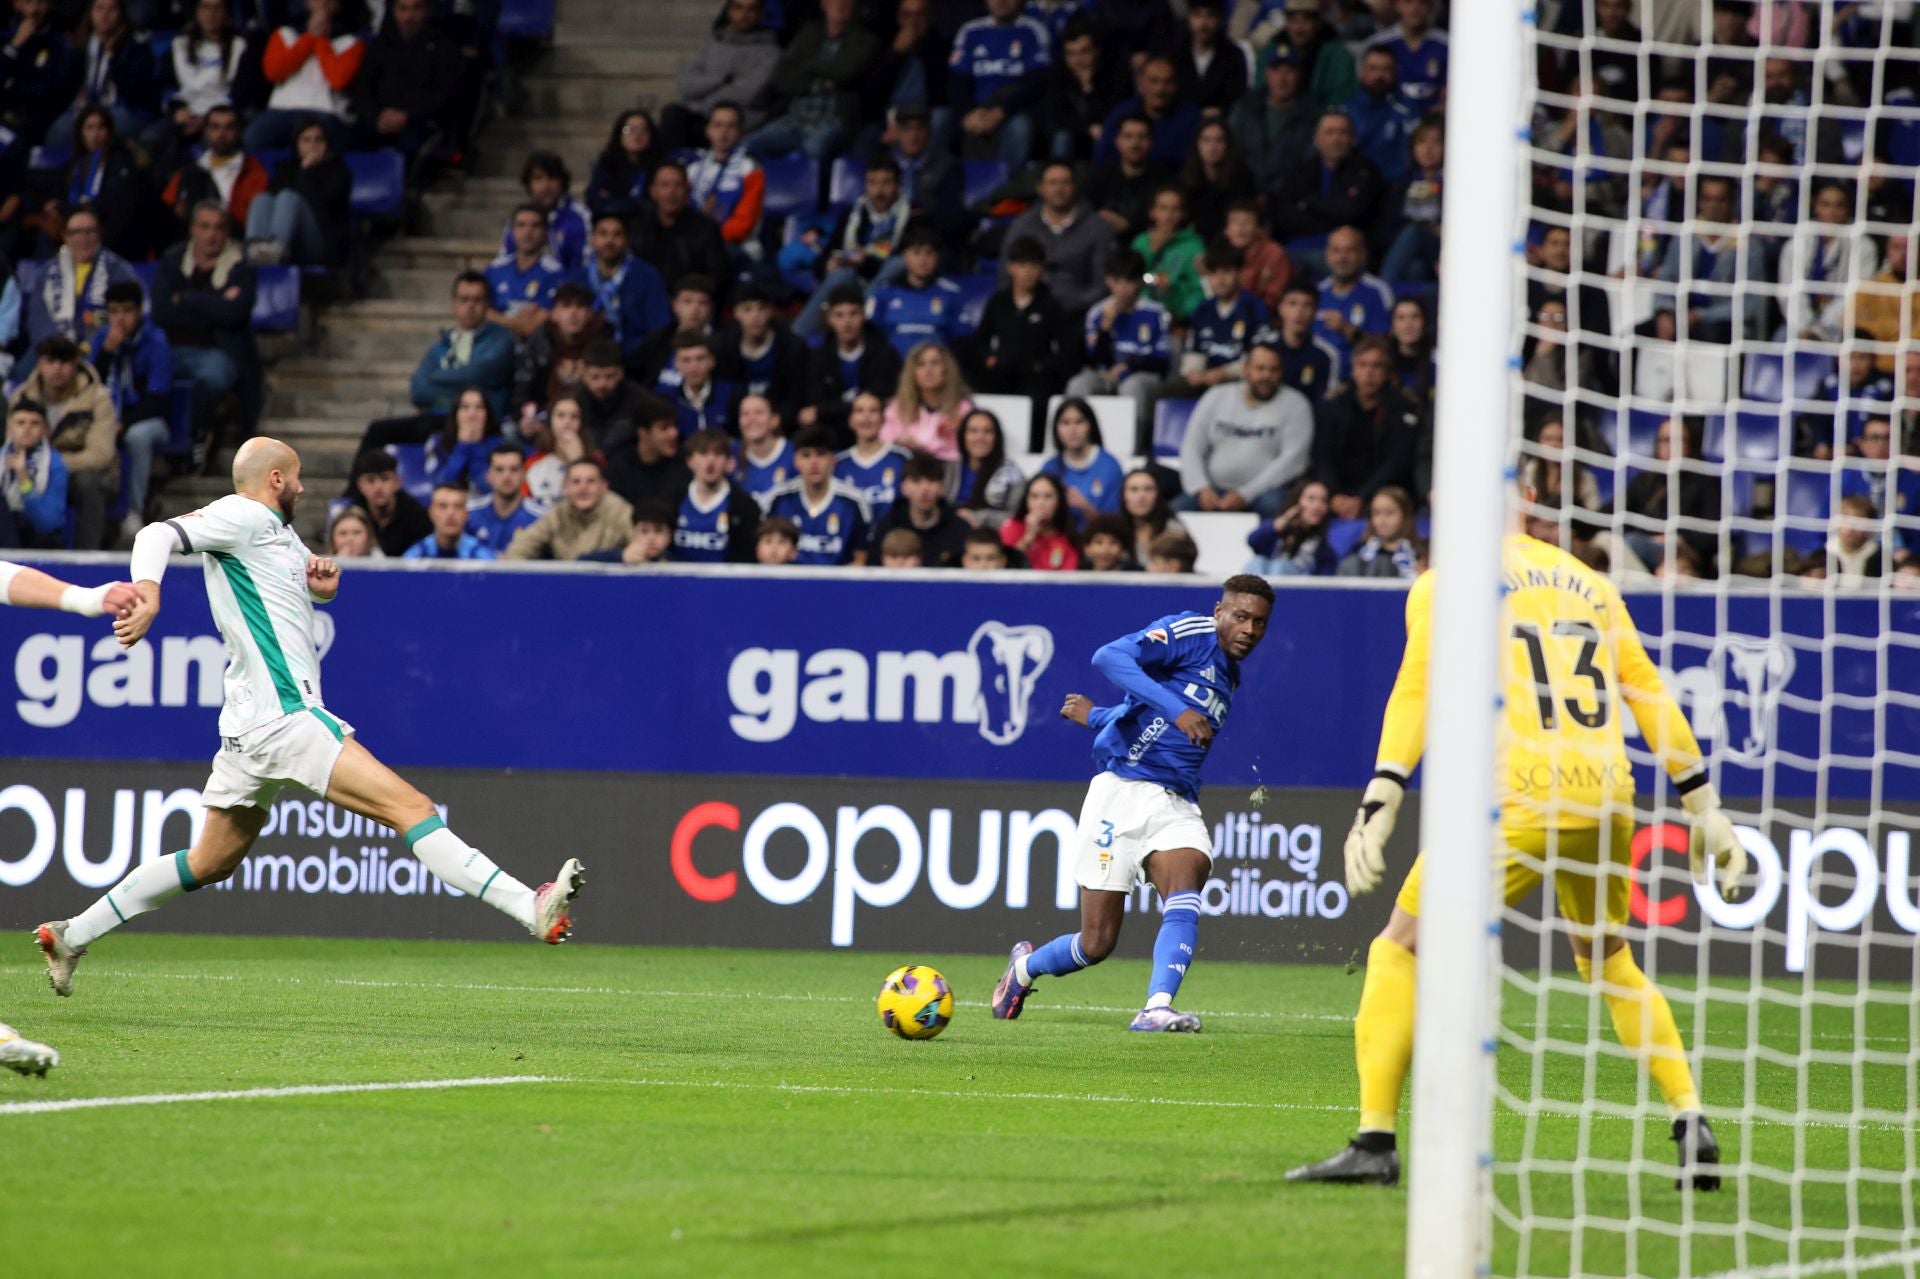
(1567, 797)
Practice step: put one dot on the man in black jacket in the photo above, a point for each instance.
(612, 405)
(1022, 346)
(1334, 186)
(407, 82)
(1364, 437)
(923, 508)
(203, 294)
(398, 518)
(677, 239)
(649, 471)
(760, 355)
(855, 357)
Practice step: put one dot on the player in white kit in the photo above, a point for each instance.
(275, 731)
(25, 587)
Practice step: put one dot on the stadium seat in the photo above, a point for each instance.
(1764, 377)
(1749, 437)
(525, 19)
(410, 460)
(49, 157)
(1344, 535)
(379, 183)
(975, 289)
(846, 183)
(1804, 501)
(276, 308)
(1221, 537)
(1853, 139)
(1016, 419)
(982, 178)
(1114, 413)
(1643, 427)
(793, 186)
(1810, 370)
(1170, 426)
(180, 418)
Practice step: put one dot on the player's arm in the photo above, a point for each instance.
(1403, 739)
(1125, 661)
(1079, 708)
(211, 528)
(1670, 738)
(25, 587)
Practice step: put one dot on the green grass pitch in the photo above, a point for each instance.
(720, 1112)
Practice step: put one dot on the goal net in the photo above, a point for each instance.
(1715, 368)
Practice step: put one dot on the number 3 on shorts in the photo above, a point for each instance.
(1106, 835)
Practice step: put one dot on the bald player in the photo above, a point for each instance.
(262, 584)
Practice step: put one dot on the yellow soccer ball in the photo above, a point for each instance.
(915, 1002)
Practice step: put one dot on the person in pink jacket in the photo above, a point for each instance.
(927, 409)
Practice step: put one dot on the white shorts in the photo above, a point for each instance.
(1123, 821)
(298, 749)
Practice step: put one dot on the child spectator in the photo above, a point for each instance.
(1224, 325)
(460, 452)
(1022, 344)
(727, 184)
(629, 293)
(312, 72)
(1104, 548)
(759, 354)
(1171, 250)
(692, 308)
(136, 364)
(648, 469)
(699, 399)
(397, 518)
(562, 441)
(1294, 543)
(1853, 555)
(863, 250)
(983, 551)
(900, 548)
(447, 510)
(506, 509)
(618, 185)
(1143, 504)
(923, 509)
(855, 357)
(304, 215)
(1042, 526)
(929, 403)
(547, 181)
(84, 425)
(351, 536)
(983, 482)
(832, 517)
(521, 280)
(33, 480)
(1308, 362)
(717, 522)
(1172, 553)
(1391, 550)
(920, 306)
(651, 542)
(871, 466)
(778, 543)
(1265, 268)
(588, 519)
(766, 459)
(1126, 337)
(1081, 462)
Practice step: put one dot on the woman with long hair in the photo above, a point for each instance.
(350, 536)
(1294, 543)
(560, 443)
(982, 482)
(1214, 177)
(104, 176)
(1080, 461)
(625, 166)
(1146, 510)
(118, 73)
(1392, 549)
(1411, 335)
(207, 58)
(460, 451)
(927, 406)
(303, 216)
(1042, 526)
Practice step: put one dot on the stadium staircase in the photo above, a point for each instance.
(352, 360)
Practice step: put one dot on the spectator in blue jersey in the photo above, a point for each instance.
(759, 354)
(1025, 343)
(716, 521)
(625, 165)
(473, 352)
(1274, 122)
(1365, 437)
(1413, 209)
(700, 400)
(923, 509)
(1224, 326)
(1713, 251)
(33, 479)
(1074, 239)
(1382, 121)
(648, 469)
(871, 465)
(506, 509)
(136, 366)
(856, 356)
(1333, 186)
(1294, 543)
(1246, 442)
(1309, 363)
(765, 460)
(832, 517)
(460, 452)
(1126, 338)
(692, 310)
(1081, 462)
(1352, 302)
(996, 77)
(813, 97)
(1171, 122)
(672, 236)
(447, 509)
(727, 184)
(863, 249)
(920, 306)
(625, 290)
(1212, 68)
(521, 281)
(548, 181)
(1419, 52)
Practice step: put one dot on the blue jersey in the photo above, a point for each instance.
(878, 481)
(700, 532)
(1098, 481)
(714, 411)
(988, 56)
(1174, 665)
(568, 226)
(1224, 338)
(829, 533)
(1423, 69)
(509, 288)
(1367, 306)
(761, 478)
(911, 316)
(1139, 336)
(495, 531)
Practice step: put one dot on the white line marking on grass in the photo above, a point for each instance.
(849, 1090)
(1827, 1266)
(248, 1094)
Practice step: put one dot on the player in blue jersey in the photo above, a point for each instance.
(873, 468)
(1141, 821)
(765, 461)
(832, 517)
(521, 281)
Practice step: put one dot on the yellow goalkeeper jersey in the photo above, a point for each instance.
(1570, 657)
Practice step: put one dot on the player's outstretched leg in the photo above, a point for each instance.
(1178, 875)
(364, 785)
(1383, 1052)
(1100, 916)
(22, 1054)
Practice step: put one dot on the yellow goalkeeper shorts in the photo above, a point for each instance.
(1580, 869)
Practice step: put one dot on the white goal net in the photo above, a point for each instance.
(1716, 366)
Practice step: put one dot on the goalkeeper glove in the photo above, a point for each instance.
(1372, 827)
(1713, 841)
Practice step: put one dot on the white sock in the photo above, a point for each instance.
(1161, 1000)
(1020, 973)
(456, 863)
(147, 887)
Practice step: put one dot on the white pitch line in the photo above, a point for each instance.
(248, 1094)
(849, 1090)
(1826, 1266)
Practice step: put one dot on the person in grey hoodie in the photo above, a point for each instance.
(1246, 442)
(733, 66)
(1076, 239)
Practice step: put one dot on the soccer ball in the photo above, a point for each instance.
(915, 1002)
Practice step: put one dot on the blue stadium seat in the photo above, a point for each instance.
(974, 292)
(379, 183)
(1642, 428)
(1749, 437)
(180, 418)
(410, 460)
(276, 307)
(793, 186)
(1853, 140)
(846, 183)
(1344, 535)
(1170, 426)
(982, 176)
(1804, 499)
(525, 19)
(1603, 482)
(1809, 371)
(1764, 377)
(49, 157)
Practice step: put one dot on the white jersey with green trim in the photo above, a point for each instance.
(256, 568)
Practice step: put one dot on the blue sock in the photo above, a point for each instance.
(1173, 948)
(1057, 958)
